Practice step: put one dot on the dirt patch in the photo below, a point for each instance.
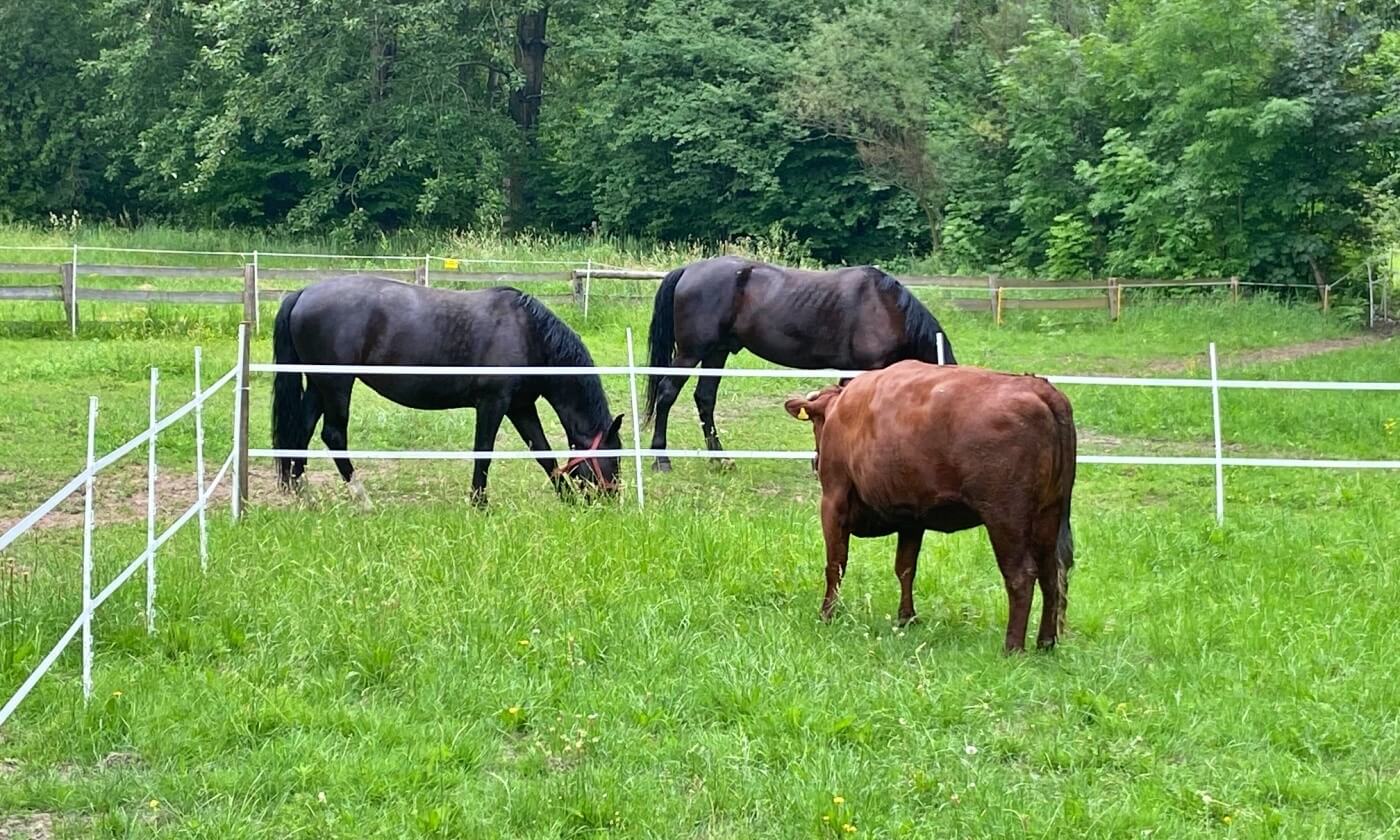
(26, 827)
(1274, 355)
(119, 760)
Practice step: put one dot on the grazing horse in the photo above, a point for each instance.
(365, 320)
(851, 318)
(916, 447)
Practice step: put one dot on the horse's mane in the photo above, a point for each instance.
(920, 326)
(563, 348)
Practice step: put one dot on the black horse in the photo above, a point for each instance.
(365, 320)
(851, 318)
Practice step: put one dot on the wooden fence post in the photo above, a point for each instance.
(576, 281)
(70, 308)
(250, 293)
(1114, 298)
(998, 305)
(1235, 289)
(420, 275)
(1326, 299)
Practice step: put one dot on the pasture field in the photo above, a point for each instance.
(542, 669)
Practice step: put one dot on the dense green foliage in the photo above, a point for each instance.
(1061, 137)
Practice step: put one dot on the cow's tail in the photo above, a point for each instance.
(662, 336)
(287, 390)
(1066, 446)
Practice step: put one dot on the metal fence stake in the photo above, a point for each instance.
(88, 521)
(636, 418)
(1219, 453)
(200, 489)
(151, 510)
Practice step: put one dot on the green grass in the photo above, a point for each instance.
(545, 670)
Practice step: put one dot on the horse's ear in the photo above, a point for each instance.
(616, 428)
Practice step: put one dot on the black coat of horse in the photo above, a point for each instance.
(366, 320)
(852, 318)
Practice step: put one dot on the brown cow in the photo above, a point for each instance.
(917, 447)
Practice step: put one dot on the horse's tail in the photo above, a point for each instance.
(662, 337)
(921, 329)
(287, 391)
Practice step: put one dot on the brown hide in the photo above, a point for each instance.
(917, 447)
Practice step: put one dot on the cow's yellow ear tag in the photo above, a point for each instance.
(802, 413)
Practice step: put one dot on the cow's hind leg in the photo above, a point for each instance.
(1053, 585)
(906, 563)
(1013, 548)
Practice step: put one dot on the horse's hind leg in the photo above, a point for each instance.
(666, 394)
(335, 402)
(311, 408)
(706, 394)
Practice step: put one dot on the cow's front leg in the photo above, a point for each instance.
(838, 541)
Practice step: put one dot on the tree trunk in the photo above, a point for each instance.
(935, 223)
(1319, 276)
(524, 105)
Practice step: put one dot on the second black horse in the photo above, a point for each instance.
(364, 320)
(856, 318)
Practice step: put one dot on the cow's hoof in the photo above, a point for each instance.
(1045, 645)
(906, 620)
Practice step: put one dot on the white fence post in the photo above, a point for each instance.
(1219, 454)
(151, 510)
(427, 267)
(939, 339)
(199, 462)
(587, 286)
(87, 553)
(636, 419)
(73, 297)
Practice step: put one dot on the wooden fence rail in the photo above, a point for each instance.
(997, 294)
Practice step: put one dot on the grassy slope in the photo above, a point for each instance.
(666, 669)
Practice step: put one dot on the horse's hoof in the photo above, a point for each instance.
(357, 492)
(906, 620)
(1045, 645)
(725, 464)
(661, 466)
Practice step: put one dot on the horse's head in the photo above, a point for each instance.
(598, 474)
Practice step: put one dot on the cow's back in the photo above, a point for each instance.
(922, 444)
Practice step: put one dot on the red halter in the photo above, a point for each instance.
(591, 460)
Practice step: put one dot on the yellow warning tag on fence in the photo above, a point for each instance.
(450, 265)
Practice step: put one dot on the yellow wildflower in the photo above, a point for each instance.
(848, 828)
(155, 804)
(838, 800)
(515, 710)
(524, 642)
(116, 694)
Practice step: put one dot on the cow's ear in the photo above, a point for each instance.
(797, 407)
